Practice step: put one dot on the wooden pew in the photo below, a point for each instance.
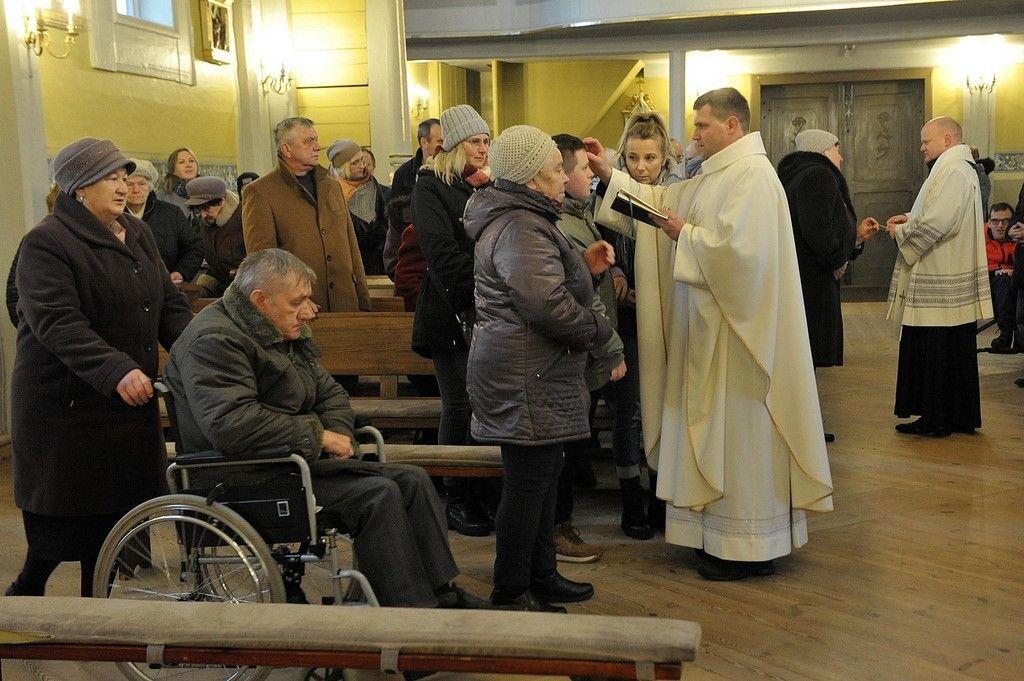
(380, 286)
(323, 636)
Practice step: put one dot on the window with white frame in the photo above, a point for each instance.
(155, 11)
(148, 37)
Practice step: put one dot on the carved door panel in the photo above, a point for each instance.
(786, 110)
(883, 166)
(878, 126)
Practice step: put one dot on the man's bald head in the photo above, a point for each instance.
(939, 134)
(947, 126)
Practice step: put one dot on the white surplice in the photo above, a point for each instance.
(729, 405)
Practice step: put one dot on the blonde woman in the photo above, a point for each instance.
(182, 166)
(444, 309)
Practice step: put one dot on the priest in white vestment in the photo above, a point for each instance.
(730, 409)
(940, 290)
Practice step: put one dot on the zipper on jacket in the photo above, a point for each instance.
(541, 375)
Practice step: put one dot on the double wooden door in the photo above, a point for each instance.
(878, 125)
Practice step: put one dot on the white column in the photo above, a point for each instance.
(677, 95)
(980, 118)
(385, 54)
(23, 174)
(255, 139)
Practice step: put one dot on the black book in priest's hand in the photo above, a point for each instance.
(632, 205)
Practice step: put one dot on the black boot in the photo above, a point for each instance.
(525, 601)
(655, 506)
(634, 511)
(1003, 340)
(464, 514)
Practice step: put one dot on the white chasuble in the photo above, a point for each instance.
(729, 405)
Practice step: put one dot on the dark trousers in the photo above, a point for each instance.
(1004, 301)
(937, 376)
(565, 500)
(450, 367)
(623, 396)
(397, 524)
(524, 525)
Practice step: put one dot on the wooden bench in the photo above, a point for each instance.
(318, 636)
(380, 286)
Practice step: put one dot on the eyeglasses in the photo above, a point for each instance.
(478, 143)
(1000, 221)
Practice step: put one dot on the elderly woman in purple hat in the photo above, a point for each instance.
(94, 301)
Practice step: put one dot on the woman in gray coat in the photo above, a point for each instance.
(95, 299)
(534, 328)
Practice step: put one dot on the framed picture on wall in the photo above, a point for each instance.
(215, 30)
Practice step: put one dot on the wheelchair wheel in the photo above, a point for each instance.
(179, 548)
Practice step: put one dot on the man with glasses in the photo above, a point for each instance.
(1000, 246)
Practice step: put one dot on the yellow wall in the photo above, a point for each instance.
(329, 53)
(145, 117)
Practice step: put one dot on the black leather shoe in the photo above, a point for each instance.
(918, 427)
(716, 569)
(464, 519)
(557, 589)
(525, 601)
(1002, 341)
(830, 437)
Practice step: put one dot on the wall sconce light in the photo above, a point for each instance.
(981, 82)
(279, 83)
(37, 35)
(419, 102)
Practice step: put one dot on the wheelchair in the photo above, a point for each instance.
(233, 530)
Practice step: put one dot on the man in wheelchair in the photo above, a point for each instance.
(244, 376)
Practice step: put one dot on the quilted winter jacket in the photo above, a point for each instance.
(535, 324)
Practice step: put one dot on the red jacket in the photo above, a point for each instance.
(410, 268)
(1000, 253)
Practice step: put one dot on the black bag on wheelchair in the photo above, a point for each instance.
(270, 496)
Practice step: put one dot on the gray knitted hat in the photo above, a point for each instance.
(85, 161)
(345, 147)
(146, 169)
(817, 141)
(519, 152)
(203, 190)
(459, 123)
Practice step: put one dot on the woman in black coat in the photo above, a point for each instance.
(94, 301)
(535, 325)
(827, 235)
(444, 309)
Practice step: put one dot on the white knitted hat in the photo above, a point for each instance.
(817, 141)
(345, 147)
(519, 152)
(459, 123)
(146, 169)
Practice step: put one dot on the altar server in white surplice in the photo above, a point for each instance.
(729, 404)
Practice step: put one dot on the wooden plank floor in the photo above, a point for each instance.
(916, 575)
